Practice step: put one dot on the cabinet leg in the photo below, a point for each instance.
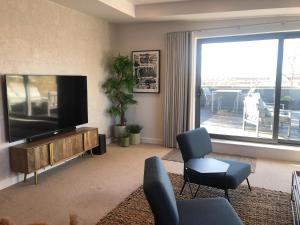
(91, 152)
(35, 178)
(25, 177)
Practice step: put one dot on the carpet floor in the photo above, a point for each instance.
(259, 207)
(175, 156)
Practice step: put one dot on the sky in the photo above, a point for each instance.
(248, 59)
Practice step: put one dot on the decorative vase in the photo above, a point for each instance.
(118, 131)
(135, 139)
(124, 141)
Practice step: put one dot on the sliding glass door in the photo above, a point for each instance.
(289, 117)
(248, 87)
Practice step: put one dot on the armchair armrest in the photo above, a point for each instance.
(271, 106)
(283, 112)
(286, 112)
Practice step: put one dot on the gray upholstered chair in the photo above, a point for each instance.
(167, 211)
(197, 144)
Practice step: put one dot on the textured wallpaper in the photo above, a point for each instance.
(40, 37)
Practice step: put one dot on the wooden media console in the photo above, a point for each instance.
(30, 157)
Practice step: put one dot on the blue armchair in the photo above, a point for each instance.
(196, 144)
(167, 211)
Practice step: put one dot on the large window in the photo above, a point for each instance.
(248, 87)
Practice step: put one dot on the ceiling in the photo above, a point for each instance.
(132, 11)
(143, 2)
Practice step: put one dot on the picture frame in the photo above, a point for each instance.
(146, 69)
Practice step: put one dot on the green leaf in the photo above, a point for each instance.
(119, 86)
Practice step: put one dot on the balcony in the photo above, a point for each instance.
(223, 112)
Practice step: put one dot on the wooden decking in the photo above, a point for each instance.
(231, 123)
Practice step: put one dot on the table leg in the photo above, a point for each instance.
(226, 194)
(236, 103)
(35, 178)
(196, 191)
(239, 96)
(226, 189)
(212, 103)
(189, 183)
(292, 188)
(25, 177)
(182, 187)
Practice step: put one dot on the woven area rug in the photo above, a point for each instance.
(259, 207)
(175, 155)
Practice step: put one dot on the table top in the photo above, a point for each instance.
(207, 165)
(227, 91)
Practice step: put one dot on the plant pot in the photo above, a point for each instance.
(285, 104)
(288, 104)
(124, 141)
(135, 139)
(118, 131)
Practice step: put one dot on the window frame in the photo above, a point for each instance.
(280, 36)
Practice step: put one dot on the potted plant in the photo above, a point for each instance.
(124, 140)
(287, 101)
(134, 131)
(119, 89)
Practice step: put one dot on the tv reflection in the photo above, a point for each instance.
(32, 104)
(43, 104)
(31, 96)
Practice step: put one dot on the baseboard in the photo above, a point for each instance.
(108, 140)
(5, 183)
(156, 141)
(258, 150)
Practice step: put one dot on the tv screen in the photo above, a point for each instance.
(38, 105)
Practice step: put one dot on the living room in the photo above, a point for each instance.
(72, 48)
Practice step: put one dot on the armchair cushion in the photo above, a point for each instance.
(236, 174)
(194, 144)
(211, 211)
(159, 192)
(168, 211)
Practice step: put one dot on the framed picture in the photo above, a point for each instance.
(146, 69)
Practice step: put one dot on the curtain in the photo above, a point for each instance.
(177, 86)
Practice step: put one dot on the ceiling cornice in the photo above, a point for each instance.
(124, 11)
(123, 6)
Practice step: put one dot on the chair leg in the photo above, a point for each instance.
(197, 191)
(182, 187)
(248, 184)
(226, 194)
(244, 118)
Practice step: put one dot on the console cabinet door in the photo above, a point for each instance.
(38, 157)
(57, 150)
(90, 139)
(74, 145)
(67, 147)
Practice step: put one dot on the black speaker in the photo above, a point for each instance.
(101, 149)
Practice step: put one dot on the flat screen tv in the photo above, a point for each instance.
(44, 105)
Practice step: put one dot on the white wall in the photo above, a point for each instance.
(40, 37)
(146, 36)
